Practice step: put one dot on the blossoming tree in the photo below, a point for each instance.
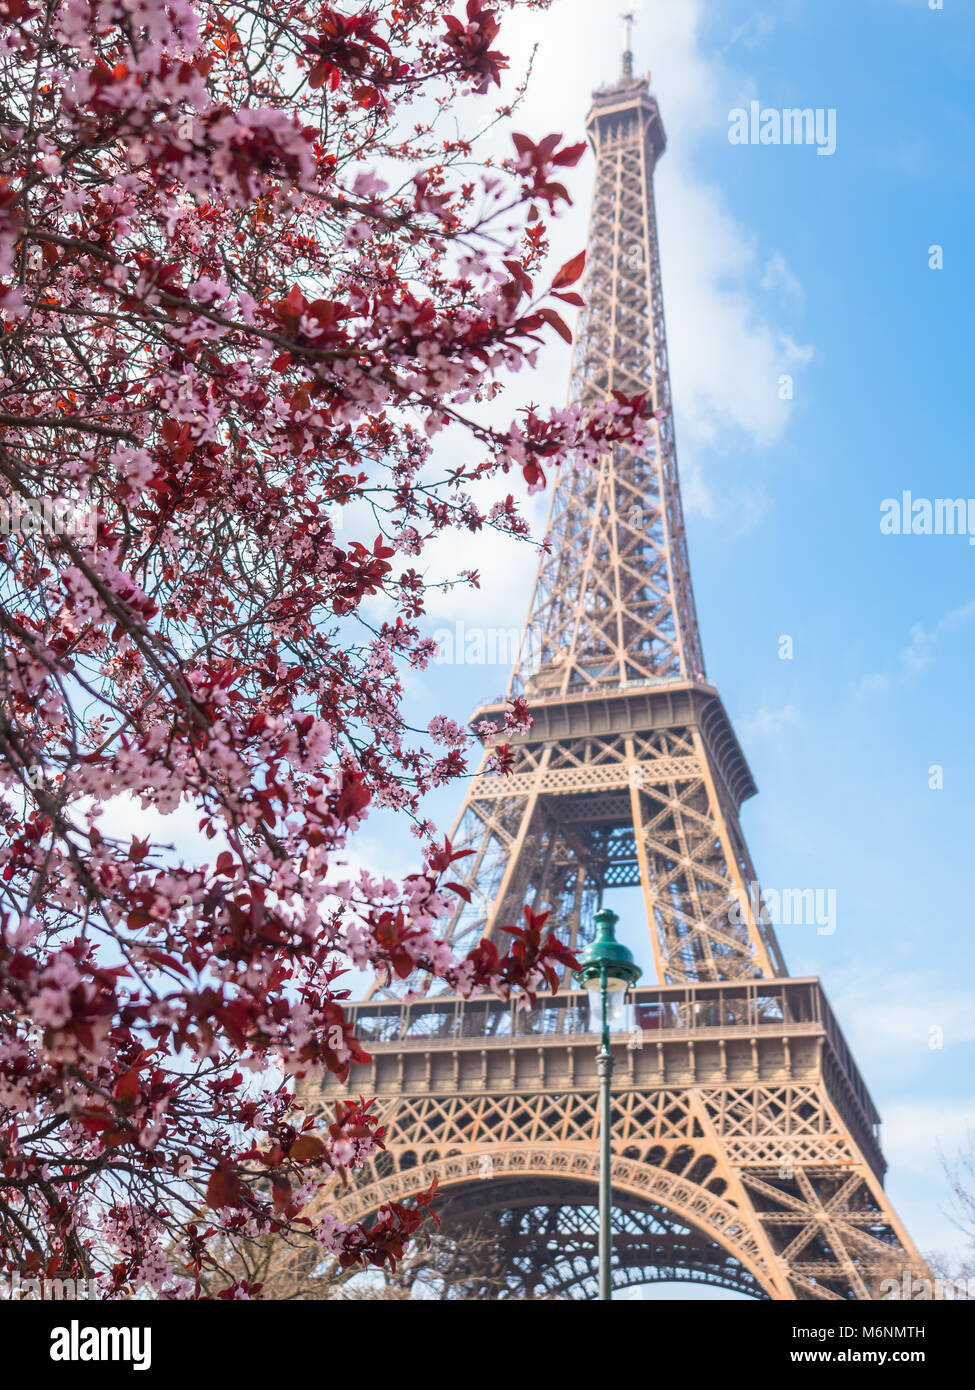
(245, 280)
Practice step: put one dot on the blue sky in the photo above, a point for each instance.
(778, 260)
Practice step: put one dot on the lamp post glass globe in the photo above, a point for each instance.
(615, 995)
(606, 971)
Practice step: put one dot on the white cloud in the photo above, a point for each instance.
(726, 357)
(759, 25)
(903, 1019)
(778, 276)
(918, 654)
(874, 684)
(768, 723)
(123, 817)
(506, 570)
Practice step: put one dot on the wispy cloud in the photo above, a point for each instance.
(778, 277)
(768, 723)
(917, 655)
(919, 1134)
(901, 1019)
(762, 23)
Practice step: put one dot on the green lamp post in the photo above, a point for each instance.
(607, 970)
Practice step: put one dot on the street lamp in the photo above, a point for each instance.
(606, 970)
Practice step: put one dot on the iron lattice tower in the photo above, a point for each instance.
(746, 1146)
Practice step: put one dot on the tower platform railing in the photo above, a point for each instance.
(692, 1013)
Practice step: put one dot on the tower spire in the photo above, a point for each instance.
(628, 19)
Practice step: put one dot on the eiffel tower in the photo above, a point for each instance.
(745, 1144)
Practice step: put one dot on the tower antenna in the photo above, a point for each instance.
(628, 19)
